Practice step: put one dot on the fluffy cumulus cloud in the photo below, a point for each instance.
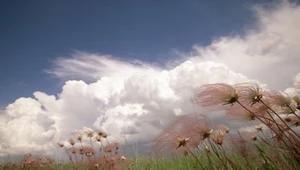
(269, 53)
(136, 107)
(26, 127)
(136, 100)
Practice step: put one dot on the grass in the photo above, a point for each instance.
(186, 162)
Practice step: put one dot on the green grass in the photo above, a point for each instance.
(263, 160)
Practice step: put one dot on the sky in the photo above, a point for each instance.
(128, 68)
(36, 33)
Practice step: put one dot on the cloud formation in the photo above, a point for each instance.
(269, 53)
(89, 67)
(137, 100)
(26, 127)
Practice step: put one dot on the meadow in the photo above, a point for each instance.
(191, 142)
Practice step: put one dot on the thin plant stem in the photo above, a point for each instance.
(216, 152)
(195, 157)
(224, 153)
(290, 149)
(75, 155)
(70, 157)
(293, 112)
(279, 117)
(209, 160)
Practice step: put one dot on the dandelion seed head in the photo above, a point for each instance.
(249, 93)
(276, 98)
(216, 94)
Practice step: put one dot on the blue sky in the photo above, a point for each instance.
(34, 33)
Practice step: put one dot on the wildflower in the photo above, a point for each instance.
(72, 142)
(246, 135)
(288, 119)
(185, 132)
(198, 126)
(259, 128)
(182, 142)
(249, 93)
(296, 122)
(108, 148)
(74, 150)
(169, 141)
(217, 137)
(216, 94)
(207, 148)
(87, 150)
(90, 133)
(102, 134)
(254, 137)
(60, 144)
(81, 151)
(79, 136)
(116, 145)
(223, 128)
(239, 113)
(207, 134)
(98, 138)
(276, 98)
(26, 160)
(285, 110)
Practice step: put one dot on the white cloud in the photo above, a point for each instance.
(26, 127)
(136, 107)
(93, 67)
(137, 100)
(268, 53)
